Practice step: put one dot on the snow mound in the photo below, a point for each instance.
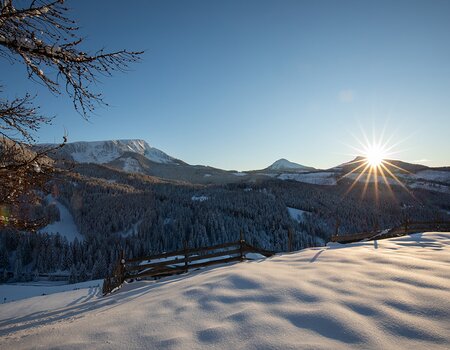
(390, 294)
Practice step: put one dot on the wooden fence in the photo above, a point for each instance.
(403, 229)
(177, 262)
(182, 261)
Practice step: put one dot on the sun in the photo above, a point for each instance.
(373, 164)
(375, 154)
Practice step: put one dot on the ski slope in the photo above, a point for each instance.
(389, 294)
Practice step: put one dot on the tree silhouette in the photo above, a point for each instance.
(45, 39)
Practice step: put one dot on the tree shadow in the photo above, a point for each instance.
(71, 311)
(314, 258)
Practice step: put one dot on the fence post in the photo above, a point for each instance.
(106, 285)
(186, 256)
(241, 245)
(336, 228)
(122, 266)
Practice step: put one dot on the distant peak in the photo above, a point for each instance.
(284, 164)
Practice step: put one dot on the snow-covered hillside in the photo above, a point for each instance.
(106, 151)
(390, 294)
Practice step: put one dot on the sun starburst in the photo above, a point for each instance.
(372, 164)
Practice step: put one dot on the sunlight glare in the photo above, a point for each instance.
(373, 164)
(374, 155)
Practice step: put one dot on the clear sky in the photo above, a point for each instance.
(240, 84)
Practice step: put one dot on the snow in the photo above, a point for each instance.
(65, 226)
(319, 178)
(240, 174)
(389, 294)
(297, 214)
(18, 291)
(199, 198)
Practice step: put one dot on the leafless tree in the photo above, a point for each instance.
(41, 35)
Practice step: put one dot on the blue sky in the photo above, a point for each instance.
(240, 84)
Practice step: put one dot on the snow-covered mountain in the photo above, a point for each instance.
(284, 164)
(102, 152)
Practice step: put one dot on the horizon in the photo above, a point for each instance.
(238, 85)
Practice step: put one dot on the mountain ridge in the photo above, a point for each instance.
(137, 156)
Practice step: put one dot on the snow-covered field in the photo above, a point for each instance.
(390, 294)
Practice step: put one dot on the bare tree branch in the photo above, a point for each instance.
(46, 41)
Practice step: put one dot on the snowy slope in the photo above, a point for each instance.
(65, 226)
(390, 294)
(106, 151)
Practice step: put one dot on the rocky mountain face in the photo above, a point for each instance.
(102, 152)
